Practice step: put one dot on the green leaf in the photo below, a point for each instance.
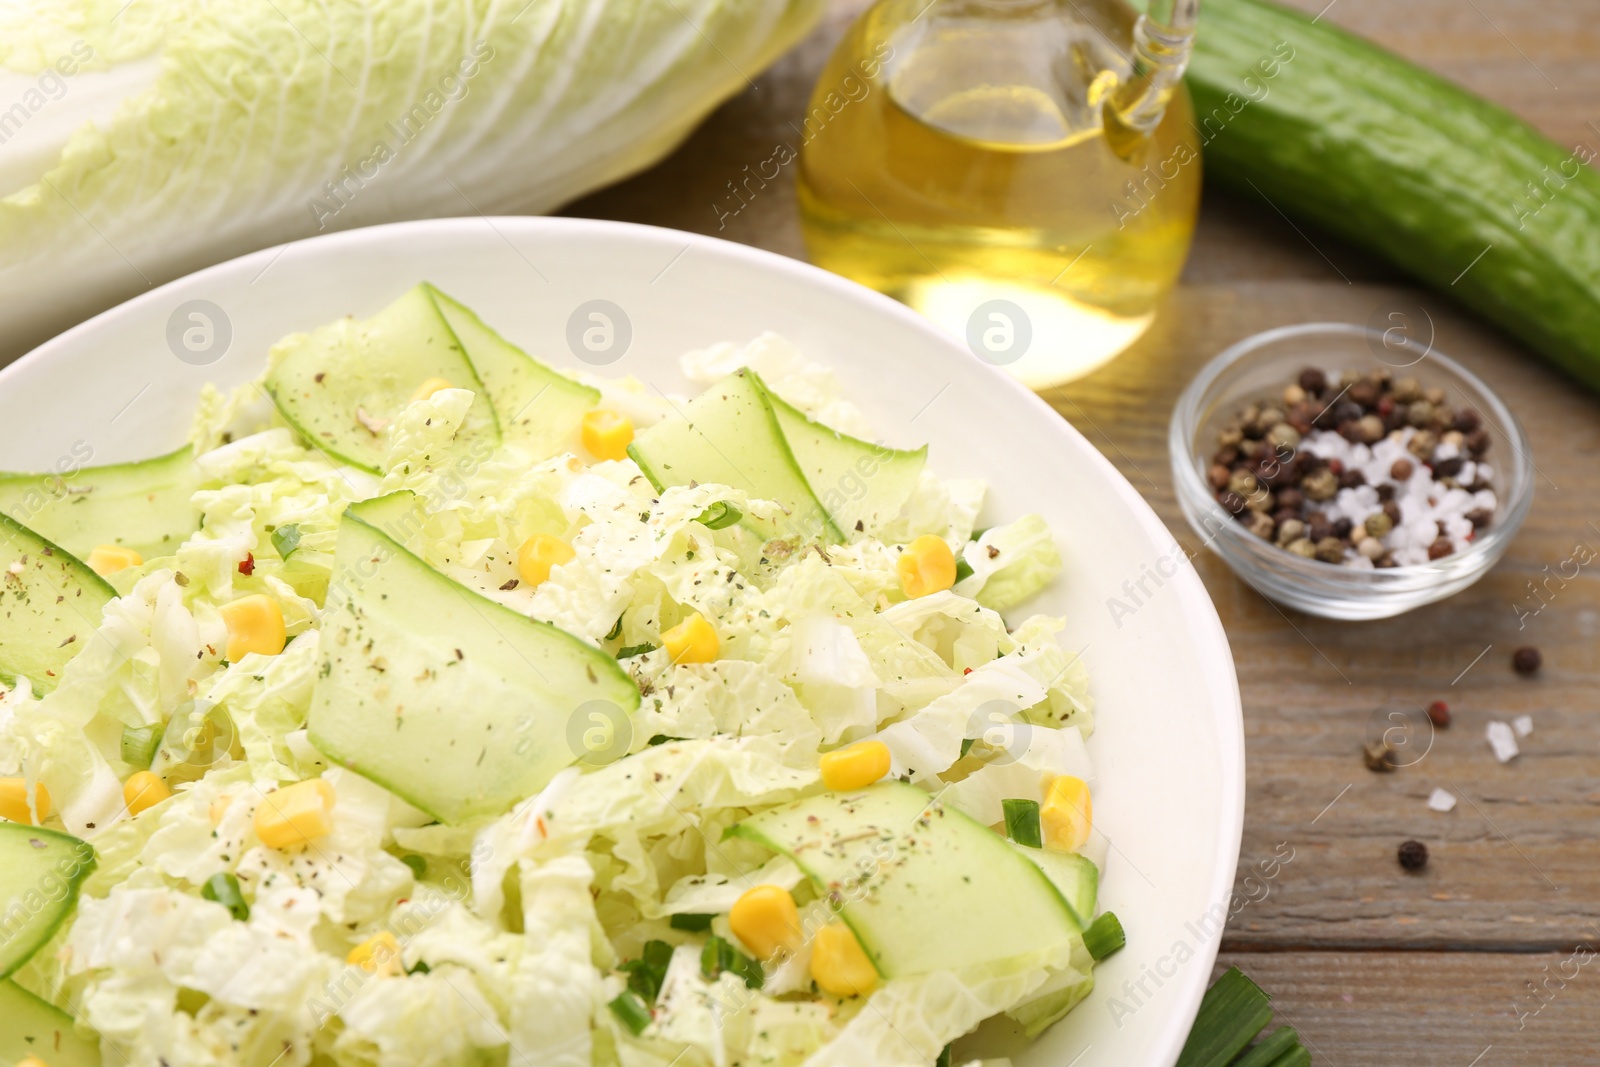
(696, 924)
(285, 539)
(1105, 936)
(418, 865)
(1022, 822)
(629, 651)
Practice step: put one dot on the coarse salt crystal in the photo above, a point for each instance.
(1523, 725)
(1442, 800)
(1502, 740)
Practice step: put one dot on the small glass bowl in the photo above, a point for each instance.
(1263, 365)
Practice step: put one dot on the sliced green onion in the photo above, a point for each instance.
(629, 651)
(747, 968)
(285, 539)
(418, 865)
(421, 968)
(616, 630)
(963, 570)
(1105, 936)
(632, 1012)
(140, 744)
(1270, 1050)
(1233, 1011)
(661, 739)
(224, 889)
(695, 924)
(1298, 1056)
(944, 1058)
(715, 958)
(646, 973)
(1022, 822)
(719, 956)
(720, 516)
(966, 746)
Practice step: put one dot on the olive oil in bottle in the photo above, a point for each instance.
(1024, 172)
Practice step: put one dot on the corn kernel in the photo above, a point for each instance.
(428, 388)
(926, 566)
(606, 434)
(379, 954)
(219, 809)
(539, 555)
(693, 640)
(109, 559)
(855, 766)
(14, 801)
(767, 921)
(839, 965)
(296, 814)
(31, 1061)
(255, 624)
(143, 791)
(1067, 815)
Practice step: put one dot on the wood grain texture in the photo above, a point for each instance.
(1426, 1009)
(1376, 966)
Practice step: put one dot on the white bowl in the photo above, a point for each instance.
(1169, 742)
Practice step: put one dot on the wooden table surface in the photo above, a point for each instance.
(1470, 963)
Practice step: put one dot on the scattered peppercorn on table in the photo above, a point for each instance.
(1470, 958)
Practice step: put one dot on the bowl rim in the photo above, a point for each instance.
(1214, 658)
(1192, 488)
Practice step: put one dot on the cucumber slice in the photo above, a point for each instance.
(862, 485)
(448, 699)
(729, 435)
(144, 505)
(40, 872)
(538, 409)
(924, 887)
(1074, 876)
(50, 605)
(342, 384)
(33, 1027)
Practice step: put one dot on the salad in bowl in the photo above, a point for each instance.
(434, 706)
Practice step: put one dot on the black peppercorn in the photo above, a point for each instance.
(1526, 660)
(1313, 381)
(1233, 502)
(1413, 855)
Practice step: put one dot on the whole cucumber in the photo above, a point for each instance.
(1461, 193)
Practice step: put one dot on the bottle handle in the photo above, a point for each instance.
(1163, 39)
